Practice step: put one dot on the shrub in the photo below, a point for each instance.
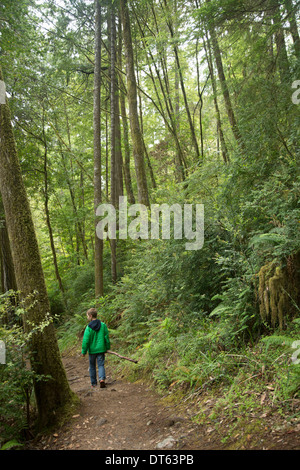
(17, 378)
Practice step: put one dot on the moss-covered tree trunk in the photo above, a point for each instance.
(52, 395)
(279, 292)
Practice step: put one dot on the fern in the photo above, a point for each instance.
(277, 340)
(267, 238)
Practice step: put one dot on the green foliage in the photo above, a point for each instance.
(191, 317)
(17, 378)
(68, 333)
(11, 444)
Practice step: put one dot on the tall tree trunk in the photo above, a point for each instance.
(179, 167)
(180, 176)
(82, 222)
(140, 108)
(127, 172)
(106, 149)
(122, 91)
(293, 26)
(113, 137)
(224, 87)
(181, 80)
(172, 125)
(48, 221)
(47, 212)
(113, 163)
(282, 57)
(97, 150)
(200, 94)
(52, 395)
(218, 114)
(69, 176)
(136, 135)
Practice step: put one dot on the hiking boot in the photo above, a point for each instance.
(102, 384)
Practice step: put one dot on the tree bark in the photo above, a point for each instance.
(48, 222)
(293, 26)
(223, 82)
(181, 80)
(113, 138)
(136, 135)
(282, 57)
(8, 277)
(99, 289)
(140, 107)
(54, 394)
(173, 124)
(127, 172)
(218, 114)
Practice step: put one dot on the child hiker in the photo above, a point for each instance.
(96, 342)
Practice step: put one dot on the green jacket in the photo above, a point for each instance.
(95, 338)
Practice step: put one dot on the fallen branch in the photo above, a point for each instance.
(122, 357)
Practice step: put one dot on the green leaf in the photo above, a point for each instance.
(8, 445)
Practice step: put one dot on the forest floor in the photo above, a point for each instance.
(132, 416)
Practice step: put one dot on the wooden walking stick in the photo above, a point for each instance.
(122, 357)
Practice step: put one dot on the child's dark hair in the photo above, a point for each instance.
(92, 312)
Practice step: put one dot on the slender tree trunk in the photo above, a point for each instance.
(127, 172)
(200, 93)
(218, 115)
(126, 164)
(136, 135)
(227, 100)
(47, 212)
(181, 80)
(282, 57)
(113, 137)
(48, 221)
(151, 173)
(97, 150)
(106, 150)
(54, 394)
(79, 226)
(223, 82)
(180, 176)
(118, 149)
(172, 125)
(293, 26)
(82, 222)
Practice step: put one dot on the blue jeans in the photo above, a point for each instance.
(99, 358)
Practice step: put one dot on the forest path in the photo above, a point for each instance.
(122, 416)
(131, 416)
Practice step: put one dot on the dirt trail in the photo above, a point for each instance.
(122, 416)
(130, 416)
